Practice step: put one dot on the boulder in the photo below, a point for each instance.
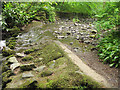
(12, 60)
(14, 65)
(27, 75)
(20, 54)
(39, 69)
(27, 67)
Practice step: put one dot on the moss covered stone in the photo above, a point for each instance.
(28, 51)
(27, 67)
(29, 84)
(46, 73)
(27, 58)
(5, 77)
(7, 52)
(5, 68)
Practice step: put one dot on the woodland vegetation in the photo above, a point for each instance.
(17, 14)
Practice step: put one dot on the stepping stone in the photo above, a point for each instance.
(27, 67)
(20, 54)
(12, 60)
(14, 65)
(27, 75)
(39, 69)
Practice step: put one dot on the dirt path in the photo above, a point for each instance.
(85, 68)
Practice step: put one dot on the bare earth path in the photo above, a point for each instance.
(86, 69)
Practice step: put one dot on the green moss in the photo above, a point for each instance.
(27, 58)
(5, 78)
(73, 80)
(51, 52)
(29, 84)
(7, 52)
(5, 68)
(28, 51)
(7, 73)
(27, 67)
(46, 73)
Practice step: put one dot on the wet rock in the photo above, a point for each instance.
(27, 75)
(71, 43)
(12, 60)
(87, 41)
(20, 54)
(41, 68)
(14, 65)
(27, 67)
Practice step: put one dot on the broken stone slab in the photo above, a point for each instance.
(39, 69)
(27, 67)
(14, 65)
(20, 54)
(12, 60)
(27, 75)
